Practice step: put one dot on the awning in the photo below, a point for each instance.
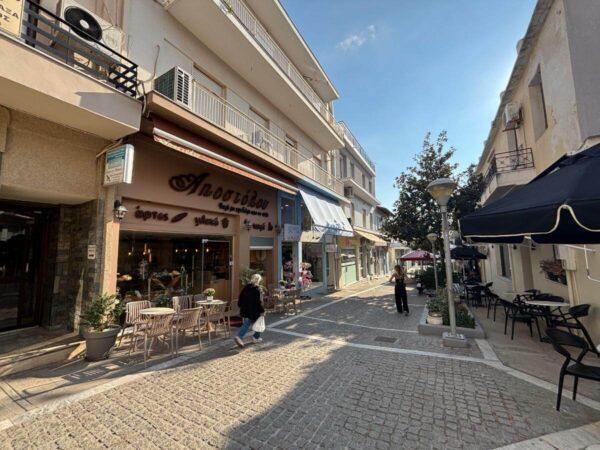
(417, 255)
(560, 206)
(371, 237)
(185, 142)
(465, 253)
(498, 193)
(327, 215)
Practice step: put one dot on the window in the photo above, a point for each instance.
(504, 260)
(352, 170)
(370, 186)
(290, 142)
(364, 218)
(258, 118)
(538, 104)
(371, 220)
(344, 166)
(364, 181)
(208, 83)
(288, 210)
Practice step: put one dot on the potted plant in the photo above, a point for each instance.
(282, 284)
(435, 307)
(162, 301)
(209, 293)
(100, 328)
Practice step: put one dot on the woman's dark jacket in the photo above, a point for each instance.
(249, 302)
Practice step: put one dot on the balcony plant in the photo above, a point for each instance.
(100, 329)
(554, 270)
(209, 293)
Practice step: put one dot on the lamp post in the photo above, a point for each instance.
(432, 237)
(441, 190)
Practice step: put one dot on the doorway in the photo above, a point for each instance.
(21, 236)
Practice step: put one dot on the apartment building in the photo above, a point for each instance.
(360, 254)
(550, 107)
(64, 99)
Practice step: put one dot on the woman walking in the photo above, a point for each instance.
(251, 308)
(400, 290)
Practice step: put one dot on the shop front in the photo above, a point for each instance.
(191, 226)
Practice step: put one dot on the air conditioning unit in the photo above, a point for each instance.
(348, 192)
(175, 84)
(89, 27)
(512, 113)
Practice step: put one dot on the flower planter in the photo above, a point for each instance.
(99, 343)
(209, 298)
(435, 319)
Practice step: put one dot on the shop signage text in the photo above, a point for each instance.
(247, 202)
(11, 16)
(119, 165)
(162, 216)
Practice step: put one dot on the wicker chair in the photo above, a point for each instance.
(183, 302)
(154, 327)
(188, 319)
(289, 300)
(215, 316)
(132, 316)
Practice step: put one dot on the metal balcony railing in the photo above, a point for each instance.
(245, 16)
(348, 134)
(219, 112)
(45, 31)
(519, 159)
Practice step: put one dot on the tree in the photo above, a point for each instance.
(415, 212)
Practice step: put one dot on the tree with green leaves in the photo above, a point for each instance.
(415, 212)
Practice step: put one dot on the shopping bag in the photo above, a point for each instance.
(259, 325)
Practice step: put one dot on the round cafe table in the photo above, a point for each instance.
(158, 311)
(205, 313)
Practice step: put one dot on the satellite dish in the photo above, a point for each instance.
(83, 23)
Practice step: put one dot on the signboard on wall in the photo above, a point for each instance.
(291, 232)
(11, 16)
(118, 167)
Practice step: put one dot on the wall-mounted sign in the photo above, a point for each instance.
(291, 232)
(154, 215)
(11, 16)
(331, 248)
(91, 251)
(119, 165)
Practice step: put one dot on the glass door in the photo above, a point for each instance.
(215, 264)
(17, 271)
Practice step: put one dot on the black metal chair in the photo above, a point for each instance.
(518, 311)
(493, 302)
(570, 321)
(572, 366)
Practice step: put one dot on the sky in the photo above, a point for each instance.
(406, 67)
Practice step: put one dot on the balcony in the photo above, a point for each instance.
(58, 75)
(227, 117)
(508, 169)
(359, 191)
(231, 30)
(360, 152)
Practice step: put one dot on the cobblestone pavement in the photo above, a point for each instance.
(296, 392)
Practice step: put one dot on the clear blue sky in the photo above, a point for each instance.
(405, 67)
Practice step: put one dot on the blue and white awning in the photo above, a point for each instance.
(327, 215)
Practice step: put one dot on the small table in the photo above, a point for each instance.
(158, 311)
(210, 302)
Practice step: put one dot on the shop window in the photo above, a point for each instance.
(504, 261)
(288, 210)
(538, 104)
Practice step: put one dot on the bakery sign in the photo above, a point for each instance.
(237, 201)
(11, 16)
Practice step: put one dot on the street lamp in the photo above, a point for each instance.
(432, 237)
(441, 190)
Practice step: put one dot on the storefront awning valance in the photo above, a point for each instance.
(371, 237)
(328, 216)
(560, 206)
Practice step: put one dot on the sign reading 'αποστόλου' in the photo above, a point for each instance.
(11, 16)
(119, 165)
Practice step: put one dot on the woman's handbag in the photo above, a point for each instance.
(259, 325)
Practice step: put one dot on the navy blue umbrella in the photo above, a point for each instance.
(560, 206)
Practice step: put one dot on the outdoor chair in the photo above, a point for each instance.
(132, 316)
(288, 301)
(183, 302)
(572, 366)
(154, 327)
(517, 311)
(215, 317)
(493, 301)
(570, 321)
(188, 319)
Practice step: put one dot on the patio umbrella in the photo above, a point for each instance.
(417, 255)
(560, 206)
(466, 253)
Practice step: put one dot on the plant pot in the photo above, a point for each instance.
(435, 319)
(99, 343)
(209, 298)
